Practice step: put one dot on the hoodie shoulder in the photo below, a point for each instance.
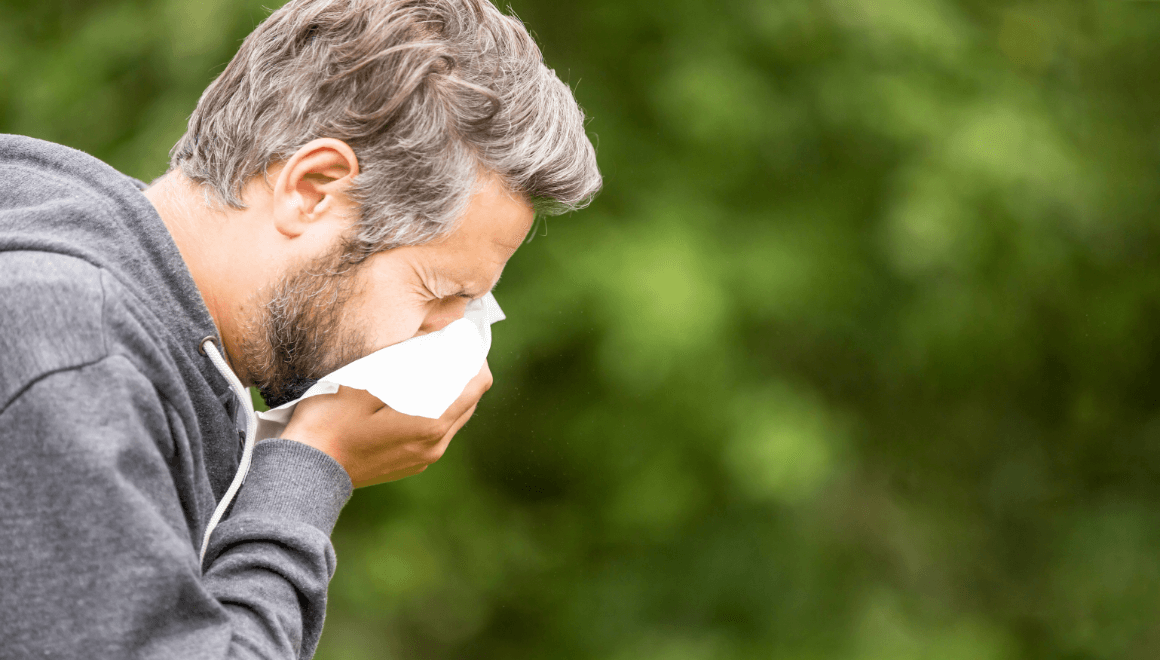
(51, 316)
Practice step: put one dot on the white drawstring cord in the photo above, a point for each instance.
(210, 349)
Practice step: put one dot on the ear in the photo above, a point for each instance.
(312, 185)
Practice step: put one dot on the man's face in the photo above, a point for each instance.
(332, 312)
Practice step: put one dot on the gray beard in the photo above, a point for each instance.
(298, 337)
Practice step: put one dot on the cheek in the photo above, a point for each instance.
(390, 305)
(384, 315)
(387, 326)
(442, 315)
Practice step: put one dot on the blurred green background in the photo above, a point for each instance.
(853, 357)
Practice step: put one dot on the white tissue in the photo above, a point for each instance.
(421, 376)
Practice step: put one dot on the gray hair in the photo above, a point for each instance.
(430, 94)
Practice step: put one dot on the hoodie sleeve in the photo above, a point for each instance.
(97, 557)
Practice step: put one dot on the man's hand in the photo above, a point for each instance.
(376, 443)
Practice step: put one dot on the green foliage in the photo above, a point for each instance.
(852, 358)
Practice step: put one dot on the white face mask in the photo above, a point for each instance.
(421, 376)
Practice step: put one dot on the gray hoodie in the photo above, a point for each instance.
(118, 437)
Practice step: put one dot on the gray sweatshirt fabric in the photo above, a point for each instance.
(118, 437)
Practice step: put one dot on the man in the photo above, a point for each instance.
(360, 171)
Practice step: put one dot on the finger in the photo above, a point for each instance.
(471, 394)
(353, 402)
(363, 399)
(357, 400)
(446, 440)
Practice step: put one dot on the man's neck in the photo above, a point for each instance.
(202, 236)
